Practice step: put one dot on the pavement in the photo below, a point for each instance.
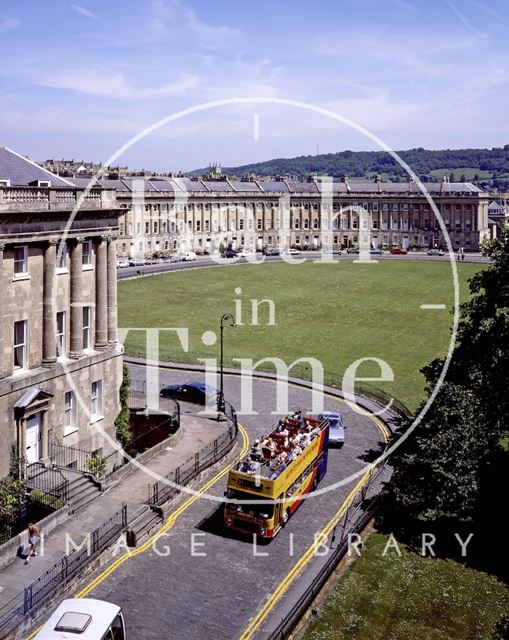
(131, 490)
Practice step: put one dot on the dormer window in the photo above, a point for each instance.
(40, 183)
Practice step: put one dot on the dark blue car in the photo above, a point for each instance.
(197, 392)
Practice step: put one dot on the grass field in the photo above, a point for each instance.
(407, 597)
(336, 313)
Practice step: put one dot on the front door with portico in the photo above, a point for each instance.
(33, 438)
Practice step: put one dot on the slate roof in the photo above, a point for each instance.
(21, 171)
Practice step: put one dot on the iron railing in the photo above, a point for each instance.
(50, 482)
(82, 460)
(54, 579)
(161, 491)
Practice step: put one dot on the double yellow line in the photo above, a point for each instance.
(170, 521)
(296, 569)
(306, 557)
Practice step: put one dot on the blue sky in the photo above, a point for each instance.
(79, 79)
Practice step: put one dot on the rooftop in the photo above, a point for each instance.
(22, 172)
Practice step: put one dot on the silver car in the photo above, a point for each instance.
(336, 427)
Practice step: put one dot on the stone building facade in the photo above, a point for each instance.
(60, 359)
(168, 215)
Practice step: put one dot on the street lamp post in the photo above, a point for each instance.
(220, 399)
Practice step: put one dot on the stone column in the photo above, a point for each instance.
(2, 305)
(101, 294)
(76, 349)
(49, 341)
(112, 291)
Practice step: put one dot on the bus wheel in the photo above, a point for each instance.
(285, 518)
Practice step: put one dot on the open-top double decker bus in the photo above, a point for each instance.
(270, 483)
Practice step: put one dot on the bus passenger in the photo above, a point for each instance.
(256, 450)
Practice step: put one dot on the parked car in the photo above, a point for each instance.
(272, 251)
(137, 262)
(176, 258)
(293, 252)
(435, 252)
(398, 251)
(197, 392)
(376, 251)
(229, 253)
(336, 427)
(122, 264)
(189, 256)
(352, 250)
(245, 253)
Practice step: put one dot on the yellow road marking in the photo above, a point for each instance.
(306, 557)
(170, 521)
(290, 577)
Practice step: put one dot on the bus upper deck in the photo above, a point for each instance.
(270, 482)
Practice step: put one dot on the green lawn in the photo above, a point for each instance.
(409, 597)
(336, 313)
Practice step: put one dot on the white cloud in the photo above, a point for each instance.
(116, 86)
(84, 12)
(173, 13)
(8, 24)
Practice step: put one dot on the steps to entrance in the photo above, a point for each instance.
(82, 489)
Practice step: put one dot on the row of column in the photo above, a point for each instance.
(105, 297)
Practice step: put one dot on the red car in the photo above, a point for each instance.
(398, 251)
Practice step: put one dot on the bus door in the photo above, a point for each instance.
(278, 511)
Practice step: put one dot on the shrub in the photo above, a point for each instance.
(123, 432)
(96, 465)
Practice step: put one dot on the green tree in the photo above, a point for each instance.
(438, 472)
(448, 469)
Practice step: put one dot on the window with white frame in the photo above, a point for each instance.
(86, 253)
(61, 333)
(20, 261)
(96, 400)
(69, 413)
(87, 327)
(20, 346)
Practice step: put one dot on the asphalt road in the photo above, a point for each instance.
(207, 261)
(178, 595)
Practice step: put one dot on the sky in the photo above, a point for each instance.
(79, 80)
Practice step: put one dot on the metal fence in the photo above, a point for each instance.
(359, 512)
(51, 483)
(83, 460)
(46, 491)
(49, 584)
(161, 491)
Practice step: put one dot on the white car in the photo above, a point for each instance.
(122, 264)
(190, 255)
(245, 253)
(293, 252)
